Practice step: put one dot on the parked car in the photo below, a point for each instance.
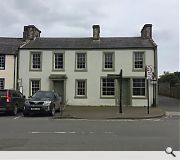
(11, 101)
(42, 102)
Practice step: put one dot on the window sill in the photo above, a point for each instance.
(58, 70)
(80, 70)
(35, 70)
(108, 70)
(80, 97)
(107, 97)
(138, 70)
(139, 97)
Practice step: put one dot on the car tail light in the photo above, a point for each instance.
(8, 97)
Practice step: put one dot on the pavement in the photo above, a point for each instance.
(110, 112)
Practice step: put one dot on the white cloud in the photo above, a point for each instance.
(74, 18)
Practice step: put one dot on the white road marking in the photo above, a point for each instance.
(18, 117)
(72, 132)
(108, 132)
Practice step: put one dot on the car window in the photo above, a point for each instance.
(15, 94)
(43, 94)
(3, 92)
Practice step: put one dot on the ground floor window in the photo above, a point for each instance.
(81, 88)
(139, 87)
(1, 83)
(107, 87)
(35, 86)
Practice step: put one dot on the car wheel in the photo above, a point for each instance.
(52, 112)
(25, 114)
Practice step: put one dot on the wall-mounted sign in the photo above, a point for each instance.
(149, 72)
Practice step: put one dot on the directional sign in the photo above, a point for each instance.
(149, 72)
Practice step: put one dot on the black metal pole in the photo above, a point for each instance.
(120, 94)
(148, 95)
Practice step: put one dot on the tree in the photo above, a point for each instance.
(172, 78)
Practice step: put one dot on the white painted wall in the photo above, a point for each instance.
(123, 60)
(8, 73)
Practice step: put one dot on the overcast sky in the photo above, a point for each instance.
(74, 18)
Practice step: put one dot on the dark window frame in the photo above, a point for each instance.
(2, 62)
(139, 87)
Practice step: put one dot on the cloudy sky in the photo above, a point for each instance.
(74, 18)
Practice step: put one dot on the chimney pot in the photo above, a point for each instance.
(96, 32)
(146, 31)
(30, 32)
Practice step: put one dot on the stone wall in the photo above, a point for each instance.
(166, 90)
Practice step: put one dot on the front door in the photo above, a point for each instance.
(58, 86)
(126, 92)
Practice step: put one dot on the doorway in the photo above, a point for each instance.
(59, 87)
(126, 100)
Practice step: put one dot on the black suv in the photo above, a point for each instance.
(42, 102)
(11, 101)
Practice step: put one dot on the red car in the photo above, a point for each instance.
(11, 101)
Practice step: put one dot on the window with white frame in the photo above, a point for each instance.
(81, 61)
(139, 87)
(1, 83)
(107, 87)
(35, 86)
(138, 58)
(58, 61)
(36, 60)
(108, 61)
(81, 88)
(2, 62)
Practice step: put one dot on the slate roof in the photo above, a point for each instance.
(9, 45)
(89, 43)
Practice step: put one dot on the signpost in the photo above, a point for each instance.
(119, 78)
(149, 76)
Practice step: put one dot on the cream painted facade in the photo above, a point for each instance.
(9, 74)
(123, 60)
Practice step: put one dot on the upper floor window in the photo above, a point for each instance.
(35, 86)
(2, 62)
(58, 61)
(139, 87)
(36, 61)
(81, 61)
(107, 87)
(1, 83)
(138, 60)
(81, 88)
(108, 61)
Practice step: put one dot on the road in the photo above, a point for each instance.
(40, 133)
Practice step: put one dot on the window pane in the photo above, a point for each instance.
(36, 60)
(81, 88)
(35, 86)
(108, 60)
(138, 60)
(81, 60)
(1, 83)
(59, 61)
(2, 62)
(139, 87)
(108, 87)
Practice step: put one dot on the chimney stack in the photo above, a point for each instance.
(96, 32)
(146, 32)
(31, 32)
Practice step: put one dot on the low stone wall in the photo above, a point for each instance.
(166, 90)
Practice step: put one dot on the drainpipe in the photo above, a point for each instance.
(156, 73)
(14, 82)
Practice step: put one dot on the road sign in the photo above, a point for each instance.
(149, 72)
